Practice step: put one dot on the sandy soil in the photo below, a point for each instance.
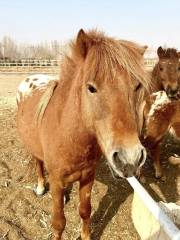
(25, 216)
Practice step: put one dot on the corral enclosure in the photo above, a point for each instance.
(25, 216)
(42, 65)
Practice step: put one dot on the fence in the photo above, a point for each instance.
(43, 66)
(30, 66)
(149, 62)
(30, 63)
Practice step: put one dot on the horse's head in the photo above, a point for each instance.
(168, 69)
(113, 82)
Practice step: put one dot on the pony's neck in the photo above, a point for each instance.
(68, 94)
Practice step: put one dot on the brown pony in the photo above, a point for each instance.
(95, 108)
(165, 76)
(163, 115)
(166, 73)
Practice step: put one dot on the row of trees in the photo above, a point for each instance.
(11, 50)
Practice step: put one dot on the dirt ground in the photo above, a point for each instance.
(25, 216)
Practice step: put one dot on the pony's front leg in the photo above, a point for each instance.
(156, 160)
(58, 218)
(154, 136)
(40, 190)
(85, 206)
(154, 147)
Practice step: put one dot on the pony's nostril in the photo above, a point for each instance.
(176, 91)
(116, 160)
(125, 175)
(172, 92)
(169, 90)
(115, 156)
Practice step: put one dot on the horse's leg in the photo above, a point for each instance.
(41, 180)
(58, 218)
(85, 206)
(156, 160)
(155, 131)
(154, 147)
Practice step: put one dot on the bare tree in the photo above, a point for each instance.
(9, 49)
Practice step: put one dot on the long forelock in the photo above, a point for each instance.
(128, 56)
(108, 55)
(115, 55)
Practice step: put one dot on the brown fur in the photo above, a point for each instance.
(164, 118)
(77, 126)
(165, 76)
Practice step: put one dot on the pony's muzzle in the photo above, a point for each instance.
(172, 93)
(127, 162)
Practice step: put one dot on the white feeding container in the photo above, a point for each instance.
(149, 219)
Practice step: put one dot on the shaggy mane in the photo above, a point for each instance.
(107, 54)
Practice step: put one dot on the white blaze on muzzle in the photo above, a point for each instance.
(127, 161)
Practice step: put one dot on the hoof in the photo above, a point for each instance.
(163, 178)
(85, 237)
(142, 179)
(40, 191)
(57, 236)
(158, 174)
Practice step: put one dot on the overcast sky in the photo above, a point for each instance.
(153, 22)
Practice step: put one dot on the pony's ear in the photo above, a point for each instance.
(83, 42)
(160, 52)
(143, 49)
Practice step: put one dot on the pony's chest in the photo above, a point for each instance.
(79, 175)
(74, 164)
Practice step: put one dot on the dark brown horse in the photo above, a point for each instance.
(95, 107)
(161, 115)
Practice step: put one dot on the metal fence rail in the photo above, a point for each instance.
(30, 63)
(149, 62)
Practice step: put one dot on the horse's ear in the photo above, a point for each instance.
(160, 52)
(83, 42)
(143, 49)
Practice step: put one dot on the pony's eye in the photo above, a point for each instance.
(138, 87)
(178, 68)
(91, 88)
(160, 68)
